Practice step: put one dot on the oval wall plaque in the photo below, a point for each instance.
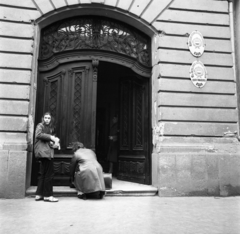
(198, 74)
(196, 43)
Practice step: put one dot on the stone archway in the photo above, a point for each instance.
(90, 39)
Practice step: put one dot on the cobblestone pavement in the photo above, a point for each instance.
(118, 215)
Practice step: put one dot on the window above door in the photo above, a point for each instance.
(95, 33)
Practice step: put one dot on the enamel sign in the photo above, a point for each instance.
(196, 43)
(198, 74)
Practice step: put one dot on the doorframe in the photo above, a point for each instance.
(96, 10)
(90, 55)
(57, 15)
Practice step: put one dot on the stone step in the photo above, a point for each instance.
(67, 191)
(119, 188)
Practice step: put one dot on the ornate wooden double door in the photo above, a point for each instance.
(69, 92)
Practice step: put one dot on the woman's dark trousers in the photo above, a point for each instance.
(45, 181)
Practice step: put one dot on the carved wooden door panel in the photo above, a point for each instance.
(133, 159)
(69, 93)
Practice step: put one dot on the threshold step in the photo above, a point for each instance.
(71, 192)
(119, 188)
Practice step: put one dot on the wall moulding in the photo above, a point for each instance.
(89, 10)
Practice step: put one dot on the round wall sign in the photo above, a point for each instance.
(196, 43)
(198, 74)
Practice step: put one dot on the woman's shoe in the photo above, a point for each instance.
(38, 198)
(82, 196)
(102, 194)
(50, 199)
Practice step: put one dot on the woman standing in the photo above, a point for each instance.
(44, 146)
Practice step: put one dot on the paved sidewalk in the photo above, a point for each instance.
(118, 215)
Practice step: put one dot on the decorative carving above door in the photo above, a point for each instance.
(95, 33)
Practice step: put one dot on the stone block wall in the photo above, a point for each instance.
(193, 150)
(199, 174)
(12, 173)
(16, 74)
(195, 167)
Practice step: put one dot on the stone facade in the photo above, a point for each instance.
(194, 148)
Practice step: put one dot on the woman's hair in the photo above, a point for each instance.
(51, 125)
(77, 145)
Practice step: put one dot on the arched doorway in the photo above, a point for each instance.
(89, 69)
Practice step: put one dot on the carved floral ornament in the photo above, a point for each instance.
(95, 33)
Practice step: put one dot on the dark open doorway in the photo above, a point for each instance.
(108, 92)
(123, 93)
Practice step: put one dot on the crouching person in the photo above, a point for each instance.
(86, 173)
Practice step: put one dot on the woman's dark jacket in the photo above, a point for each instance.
(42, 147)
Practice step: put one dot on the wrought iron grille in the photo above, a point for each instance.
(95, 33)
